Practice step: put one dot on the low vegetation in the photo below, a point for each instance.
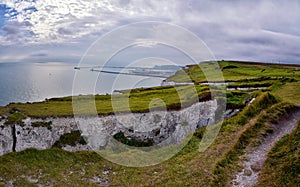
(132, 141)
(282, 167)
(15, 118)
(140, 100)
(288, 92)
(234, 71)
(72, 138)
(251, 135)
(42, 124)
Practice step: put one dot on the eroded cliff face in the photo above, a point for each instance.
(6, 139)
(164, 128)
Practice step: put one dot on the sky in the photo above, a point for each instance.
(62, 31)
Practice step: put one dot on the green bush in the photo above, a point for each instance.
(230, 67)
(72, 138)
(42, 124)
(131, 141)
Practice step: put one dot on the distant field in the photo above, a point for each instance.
(238, 71)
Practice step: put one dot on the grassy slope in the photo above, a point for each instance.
(237, 71)
(259, 127)
(282, 168)
(289, 92)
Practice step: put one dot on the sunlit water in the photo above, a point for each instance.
(30, 82)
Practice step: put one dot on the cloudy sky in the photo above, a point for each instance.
(59, 30)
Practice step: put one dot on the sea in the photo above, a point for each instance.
(33, 82)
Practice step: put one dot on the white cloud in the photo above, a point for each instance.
(59, 20)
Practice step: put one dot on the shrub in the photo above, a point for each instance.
(42, 124)
(72, 138)
(230, 67)
(131, 141)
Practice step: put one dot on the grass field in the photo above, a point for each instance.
(289, 92)
(238, 71)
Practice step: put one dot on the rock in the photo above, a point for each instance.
(256, 167)
(247, 172)
(32, 180)
(236, 183)
(105, 172)
(6, 140)
(101, 181)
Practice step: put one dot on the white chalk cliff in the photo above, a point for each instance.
(160, 127)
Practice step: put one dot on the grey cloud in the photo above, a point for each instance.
(9, 29)
(231, 29)
(39, 55)
(64, 31)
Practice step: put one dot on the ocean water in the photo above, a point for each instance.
(31, 82)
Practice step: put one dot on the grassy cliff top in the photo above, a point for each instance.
(238, 71)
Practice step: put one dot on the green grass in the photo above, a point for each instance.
(139, 100)
(288, 92)
(282, 167)
(263, 101)
(237, 71)
(15, 118)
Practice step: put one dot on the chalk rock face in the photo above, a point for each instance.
(6, 140)
(161, 127)
(42, 137)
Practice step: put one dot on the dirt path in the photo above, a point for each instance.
(256, 157)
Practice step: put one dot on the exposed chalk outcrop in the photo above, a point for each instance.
(167, 127)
